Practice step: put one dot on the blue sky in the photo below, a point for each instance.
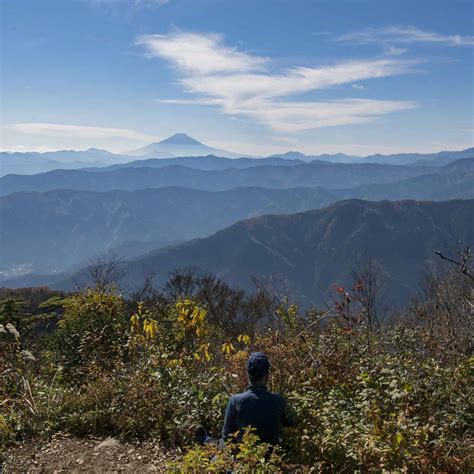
(254, 76)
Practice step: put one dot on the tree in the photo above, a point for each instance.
(14, 312)
(369, 283)
(106, 272)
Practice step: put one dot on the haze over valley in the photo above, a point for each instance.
(57, 222)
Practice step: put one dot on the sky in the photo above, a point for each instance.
(251, 76)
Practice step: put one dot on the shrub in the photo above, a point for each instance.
(92, 332)
(369, 399)
(249, 456)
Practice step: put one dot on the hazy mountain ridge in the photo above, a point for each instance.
(183, 147)
(60, 218)
(427, 159)
(205, 163)
(315, 249)
(446, 184)
(32, 162)
(311, 251)
(53, 230)
(57, 229)
(329, 175)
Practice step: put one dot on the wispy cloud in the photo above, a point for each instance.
(235, 88)
(399, 34)
(300, 116)
(395, 51)
(240, 84)
(78, 131)
(200, 54)
(129, 3)
(150, 3)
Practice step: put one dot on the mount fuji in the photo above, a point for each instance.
(180, 144)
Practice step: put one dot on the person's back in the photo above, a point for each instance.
(260, 409)
(257, 407)
(266, 412)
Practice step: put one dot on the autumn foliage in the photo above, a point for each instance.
(368, 396)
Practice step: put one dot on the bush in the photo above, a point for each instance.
(367, 398)
(91, 334)
(249, 456)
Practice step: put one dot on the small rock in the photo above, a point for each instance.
(108, 444)
(80, 461)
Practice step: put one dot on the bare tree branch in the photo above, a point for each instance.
(463, 265)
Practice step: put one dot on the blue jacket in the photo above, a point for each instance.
(258, 408)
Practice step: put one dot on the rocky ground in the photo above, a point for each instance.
(64, 453)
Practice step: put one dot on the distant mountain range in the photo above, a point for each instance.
(178, 145)
(452, 181)
(53, 230)
(49, 232)
(424, 159)
(316, 173)
(192, 153)
(309, 252)
(205, 163)
(32, 162)
(92, 202)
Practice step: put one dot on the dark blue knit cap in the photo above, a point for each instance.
(258, 364)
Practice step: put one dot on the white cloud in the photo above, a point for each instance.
(26, 149)
(396, 51)
(299, 116)
(200, 54)
(150, 3)
(187, 101)
(404, 35)
(235, 88)
(234, 81)
(145, 4)
(78, 131)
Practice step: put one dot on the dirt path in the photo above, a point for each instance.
(63, 453)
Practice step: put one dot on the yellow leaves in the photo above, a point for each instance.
(150, 328)
(175, 362)
(244, 339)
(81, 305)
(142, 324)
(228, 348)
(287, 313)
(191, 317)
(135, 323)
(202, 353)
(398, 439)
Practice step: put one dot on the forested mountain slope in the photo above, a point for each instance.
(311, 251)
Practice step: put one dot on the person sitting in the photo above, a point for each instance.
(258, 408)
